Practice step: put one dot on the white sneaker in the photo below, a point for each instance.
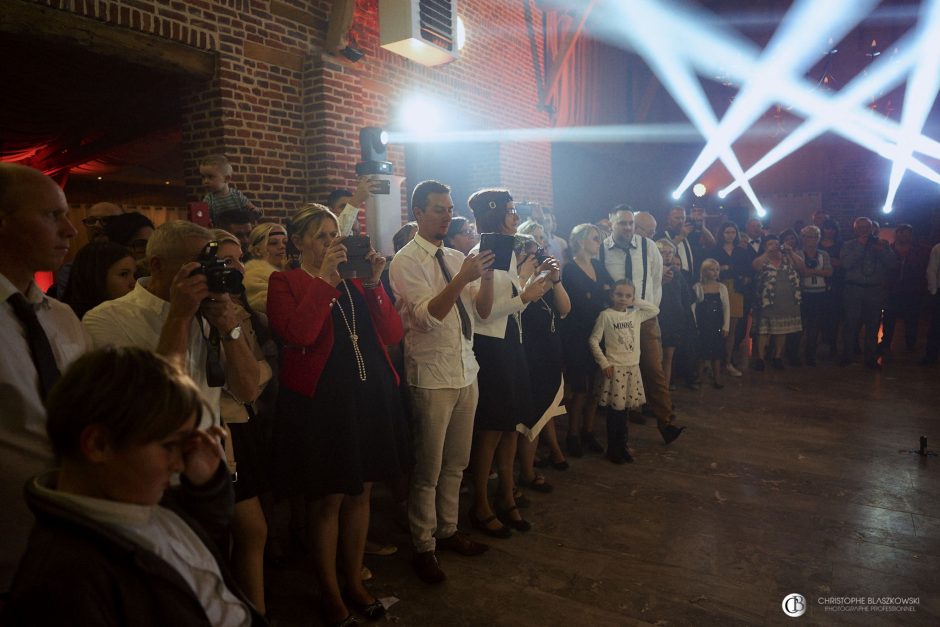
(734, 372)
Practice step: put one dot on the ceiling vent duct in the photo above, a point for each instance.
(424, 31)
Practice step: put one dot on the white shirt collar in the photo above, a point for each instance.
(428, 247)
(33, 294)
(101, 510)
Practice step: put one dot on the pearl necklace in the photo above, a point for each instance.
(550, 311)
(351, 328)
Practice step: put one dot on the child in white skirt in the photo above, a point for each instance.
(621, 387)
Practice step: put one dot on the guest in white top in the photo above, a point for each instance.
(435, 289)
(39, 337)
(112, 543)
(505, 395)
(173, 314)
(268, 254)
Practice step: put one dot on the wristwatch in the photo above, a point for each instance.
(232, 335)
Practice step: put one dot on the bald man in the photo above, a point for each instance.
(644, 224)
(39, 338)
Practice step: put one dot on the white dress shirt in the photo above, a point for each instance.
(24, 445)
(162, 532)
(616, 263)
(437, 355)
(504, 303)
(136, 319)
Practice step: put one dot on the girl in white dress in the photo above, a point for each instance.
(621, 387)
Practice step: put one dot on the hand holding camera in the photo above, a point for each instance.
(476, 265)
(190, 287)
(335, 255)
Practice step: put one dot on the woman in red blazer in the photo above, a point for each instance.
(339, 424)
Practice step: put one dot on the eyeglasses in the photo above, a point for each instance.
(94, 220)
(466, 233)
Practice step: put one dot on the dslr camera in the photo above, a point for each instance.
(221, 278)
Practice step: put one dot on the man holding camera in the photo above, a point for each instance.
(867, 261)
(689, 237)
(174, 313)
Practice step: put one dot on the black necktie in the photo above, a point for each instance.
(627, 263)
(461, 311)
(43, 357)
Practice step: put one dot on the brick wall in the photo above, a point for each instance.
(287, 115)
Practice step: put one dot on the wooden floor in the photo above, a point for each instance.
(784, 482)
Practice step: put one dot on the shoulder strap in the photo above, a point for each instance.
(645, 263)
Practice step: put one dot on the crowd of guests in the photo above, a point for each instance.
(177, 381)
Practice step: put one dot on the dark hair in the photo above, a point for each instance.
(232, 216)
(419, 197)
(456, 225)
(136, 395)
(790, 233)
(770, 237)
(903, 227)
(830, 224)
(335, 195)
(404, 235)
(620, 208)
(88, 280)
(489, 208)
(121, 228)
(720, 235)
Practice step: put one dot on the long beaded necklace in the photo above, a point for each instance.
(353, 337)
(351, 328)
(550, 311)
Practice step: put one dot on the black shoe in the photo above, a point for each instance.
(589, 442)
(670, 433)
(461, 544)
(627, 457)
(759, 365)
(502, 531)
(372, 611)
(717, 385)
(519, 525)
(616, 457)
(427, 568)
(573, 444)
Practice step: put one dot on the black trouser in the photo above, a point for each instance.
(813, 309)
(862, 309)
(906, 306)
(933, 335)
(616, 430)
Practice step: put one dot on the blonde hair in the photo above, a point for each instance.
(259, 236)
(579, 234)
(529, 227)
(707, 262)
(811, 229)
(665, 246)
(219, 162)
(311, 214)
(221, 235)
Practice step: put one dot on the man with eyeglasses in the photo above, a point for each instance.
(39, 338)
(172, 313)
(627, 255)
(95, 218)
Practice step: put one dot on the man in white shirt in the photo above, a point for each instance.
(555, 246)
(39, 338)
(173, 314)
(628, 255)
(435, 288)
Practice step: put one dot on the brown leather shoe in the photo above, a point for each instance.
(427, 568)
(462, 544)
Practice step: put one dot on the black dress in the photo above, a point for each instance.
(351, 431)
(505, 396)
(542, 342)
(588, 299)
(675, 313)
(711, 319)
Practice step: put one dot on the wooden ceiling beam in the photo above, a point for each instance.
(35, 22)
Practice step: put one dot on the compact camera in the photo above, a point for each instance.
(219, 276)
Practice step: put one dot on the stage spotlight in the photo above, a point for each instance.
(699, 189)
(722, 194)
(887, 209)
(372, 143)
(761, 212)
(420, 114)
(676, 195)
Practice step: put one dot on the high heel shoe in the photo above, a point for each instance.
(481, 526)
(372, 611)
(519, 525)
